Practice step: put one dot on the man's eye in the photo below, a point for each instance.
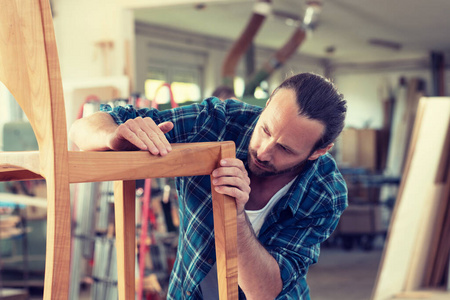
(285, 149)
(265, 131)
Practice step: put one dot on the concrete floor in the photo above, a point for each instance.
(342, 274)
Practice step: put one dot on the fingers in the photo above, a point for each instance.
(240, 196)
(166, 126)
(146, 135)
(225, 173)
(232, 179)
(234, 187)
(232, 167)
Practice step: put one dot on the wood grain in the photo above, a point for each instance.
(225, 232)
(415, 206)
(124, 207)
(183, 160)
(18, 161)
(29, 68)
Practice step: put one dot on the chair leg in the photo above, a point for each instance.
(57, 258)
(124, 203)
(225, 233)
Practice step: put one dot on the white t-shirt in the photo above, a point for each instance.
(209, 285)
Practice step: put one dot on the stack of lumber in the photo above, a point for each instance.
(417, 248)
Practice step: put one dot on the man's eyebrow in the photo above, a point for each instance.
(290, 149)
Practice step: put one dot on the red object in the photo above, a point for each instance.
(144, 225)
(147, 214)
(172, 100)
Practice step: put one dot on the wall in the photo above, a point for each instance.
(155, 43)
(79, 25)
(365, 90)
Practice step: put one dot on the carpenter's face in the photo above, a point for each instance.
(283, 140)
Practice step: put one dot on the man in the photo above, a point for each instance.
(288, 191)
(224, 92)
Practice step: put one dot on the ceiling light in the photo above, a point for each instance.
(311, 18)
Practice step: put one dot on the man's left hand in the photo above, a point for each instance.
(231, 179)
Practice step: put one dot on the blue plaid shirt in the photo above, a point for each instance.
(292, 232)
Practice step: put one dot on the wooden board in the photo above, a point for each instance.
(124, 204)
(225, 233)
(429, 134)
(183, 160)
(431, 264)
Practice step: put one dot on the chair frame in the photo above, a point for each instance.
(29, 68)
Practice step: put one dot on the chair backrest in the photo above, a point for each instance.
(29, 68)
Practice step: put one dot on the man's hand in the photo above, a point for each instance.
(231, 179)
(141, 133)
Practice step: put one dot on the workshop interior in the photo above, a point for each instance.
(390, 60)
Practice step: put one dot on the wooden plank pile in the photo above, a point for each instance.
(417, 248)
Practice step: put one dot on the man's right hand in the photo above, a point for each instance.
(141, 133)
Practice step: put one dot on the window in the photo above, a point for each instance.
(183, 84)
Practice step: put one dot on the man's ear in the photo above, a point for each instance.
(319, 152)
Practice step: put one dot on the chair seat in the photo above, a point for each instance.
(19, 165)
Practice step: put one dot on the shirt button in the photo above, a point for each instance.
(188, 293)
(210, 261)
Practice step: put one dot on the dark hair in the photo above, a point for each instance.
(224, 92)
(318, 99)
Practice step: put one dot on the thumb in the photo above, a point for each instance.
(165, 126)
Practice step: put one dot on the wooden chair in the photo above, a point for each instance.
(29, 68)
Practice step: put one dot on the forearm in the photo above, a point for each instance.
(91, 133)
(259, 273)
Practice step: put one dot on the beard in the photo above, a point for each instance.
(269, 169)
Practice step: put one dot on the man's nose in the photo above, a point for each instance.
(265, 151)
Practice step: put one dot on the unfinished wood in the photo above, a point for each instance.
(225, 233)
(57, 258)
(19, 160)
(417, 268)
(183, 160)
(362, 148)
(405, 109)
(397, 139)
(84, 165)
(124, 208)
(443, 248)
(16, 174)
(30, 71)
(349, 147)
(431, 219)
(29, 68)
(428, 294)
(439, 235)
(429, 133)
(414, 94)
(367, 150)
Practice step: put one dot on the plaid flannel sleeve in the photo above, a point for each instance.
(187, 120)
